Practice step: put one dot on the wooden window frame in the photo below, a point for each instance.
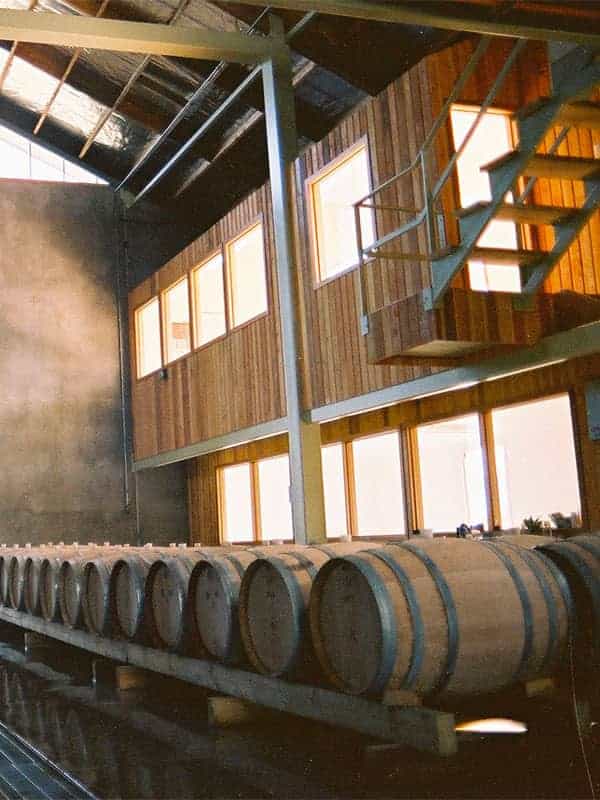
(163, 318)
(259, 221)
(193, 273)
(137, 349)
(309, 188)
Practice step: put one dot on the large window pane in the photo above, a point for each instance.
(236, 513)
(333, 197)
(176, 306)
(492, 139)
(209, 300)
(535, 460)
(247, 276)
(452, 474)
(274, 490)
(378, 485)
(148, 338)
(334, 487)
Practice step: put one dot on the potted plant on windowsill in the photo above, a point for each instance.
(533, 525)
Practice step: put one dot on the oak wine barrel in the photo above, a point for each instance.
(578, 558)
(213, 596)
(71, 584)
(273, 603)
(446, 617)
(167, 592)
(97, 597)
(16, 573)
(129, 590)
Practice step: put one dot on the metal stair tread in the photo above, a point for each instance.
(501, 256)
(580, 113)
(522, 214)
(557, 167)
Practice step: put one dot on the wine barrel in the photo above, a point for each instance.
(31, 580)
(213, 597)
(71, 583)
(442, 618)
(167, 591)
(16, 571)
(5, 556)
(129, 590)
(273, 602)
(528, 540)
(578, 559)
(97, 597)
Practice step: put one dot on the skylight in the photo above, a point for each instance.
(22, 159)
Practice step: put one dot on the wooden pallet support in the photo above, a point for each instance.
(225, 712)
(417, 727)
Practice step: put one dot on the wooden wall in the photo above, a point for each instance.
(569, 377)
(231, 383)
(237, 382)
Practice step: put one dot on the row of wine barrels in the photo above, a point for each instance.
(578, 559)
(273, 601)
(439, 618)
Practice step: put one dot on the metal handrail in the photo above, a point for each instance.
(431, 196)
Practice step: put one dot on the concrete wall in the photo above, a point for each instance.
(62, 472)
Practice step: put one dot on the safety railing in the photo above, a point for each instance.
(428, 214)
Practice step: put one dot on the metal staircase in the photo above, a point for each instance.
(569, 106)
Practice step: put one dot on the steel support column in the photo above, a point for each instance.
(308, 508)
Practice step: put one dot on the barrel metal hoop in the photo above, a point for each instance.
(451, 615)
(233, 600)
(236, 565)
(565, 591)
(533, 563)
(589, 545)
(389, 631)
(525, 606)
(589, 579)
(418, 644)
(304, 562)
(325, 549)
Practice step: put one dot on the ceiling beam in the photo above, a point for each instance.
(134, 37)
(477, 21)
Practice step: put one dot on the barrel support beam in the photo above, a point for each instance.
(422, 728)
(306, 476)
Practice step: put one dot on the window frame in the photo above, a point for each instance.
(138, 339)
(309, 187)
(164, 321)
(196, 347)
(258, 221)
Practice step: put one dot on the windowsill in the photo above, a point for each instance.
(247, 322)
(325, 281)
(178, 359)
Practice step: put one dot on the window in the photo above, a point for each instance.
(176, 309)
(332, 196)
(378, 489)
(237, 516)
(535, 460)
(209, 301)
(247, 276)
(452, 474)
(255, 501)
(334, 488)
(147, 324)
(492, 139)
(274, 493)
(21, 159)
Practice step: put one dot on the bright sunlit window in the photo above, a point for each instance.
(22, 159)
(334, 489)
(452, 474)
(247, 276)
(209, 300)
(491, 140)
(333, 195)
(147, 324)
(237, 523)
(378, 485)
(176, 309)
(274, 492)
(535, 461)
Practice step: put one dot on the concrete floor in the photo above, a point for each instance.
(155, 743)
